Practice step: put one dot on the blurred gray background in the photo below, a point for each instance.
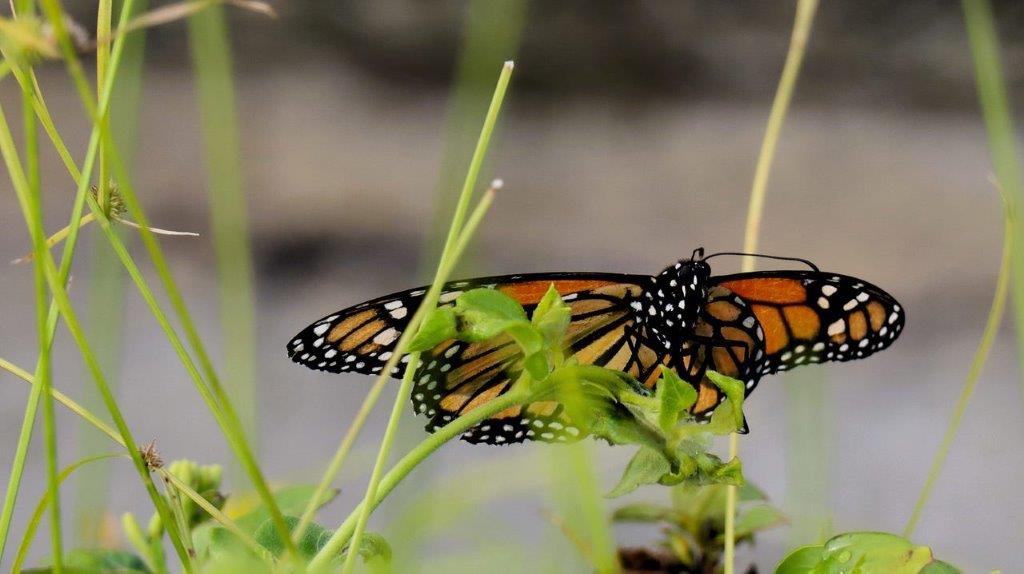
(629, 138)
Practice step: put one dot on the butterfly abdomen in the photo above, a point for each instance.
(671, 304)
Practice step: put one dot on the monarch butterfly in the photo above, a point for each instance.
(744, 325)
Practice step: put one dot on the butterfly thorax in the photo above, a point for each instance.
(670, 305)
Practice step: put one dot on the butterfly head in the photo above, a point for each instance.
(670, 305)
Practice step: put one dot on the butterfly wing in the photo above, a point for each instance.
(728, 339)
(766, 322)
(456, 377)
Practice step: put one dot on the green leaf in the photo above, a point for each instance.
(526, 336)
(940, 567)
(877, 552)
(374, 547)
(552, 317)
(704, 468)
(675, 397)
(866, 553)
(486, 312)
(313, 539)
(647, 466)
(215, 541)
(102, 560)
(644, 512)
(734, 390)
(536, 365)
(439, 326)
(804, 560)
(617, 425)
(291, 500)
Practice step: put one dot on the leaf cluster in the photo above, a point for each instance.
(694, 523)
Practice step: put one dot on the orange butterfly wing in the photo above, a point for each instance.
(456, 377)
(799, 317)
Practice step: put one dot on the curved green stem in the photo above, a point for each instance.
(45, 502)
(185, 489)
(404, 391)
(805, 10)
(993, 98)
(518, 395)
(212, 391)
(458, 237)
(995, 316)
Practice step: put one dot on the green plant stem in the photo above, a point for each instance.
(404, 392)
(179, 515)
(43, 370)
(491, 33)
(215, 513)
(45, 259)
(586, 495)
(805, 10)
(28, 420)
(44, 378)
(993, 99)
(405, 389)
(55, 15)
(82, 181)
(212, 392)
(104, 314)
(47, 500)
(104, 17)
(131, 267)
(222, 407)
(446, 266)
(229, 225)
(518, 395)
(51, 326)
(995, 316)
(64, 400)
(342, 453)
(111, 433)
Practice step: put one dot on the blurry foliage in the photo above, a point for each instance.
(213, 545)
(693, 527)
(203, 479)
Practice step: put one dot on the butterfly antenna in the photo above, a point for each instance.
(763, 256)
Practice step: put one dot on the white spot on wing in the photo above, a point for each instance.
(449, 296)
(836, 328)
(386, 337)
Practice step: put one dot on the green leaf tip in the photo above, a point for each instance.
(734, 390)
(675, 397)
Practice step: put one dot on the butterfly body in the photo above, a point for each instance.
(670, 306)
(745, 326)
